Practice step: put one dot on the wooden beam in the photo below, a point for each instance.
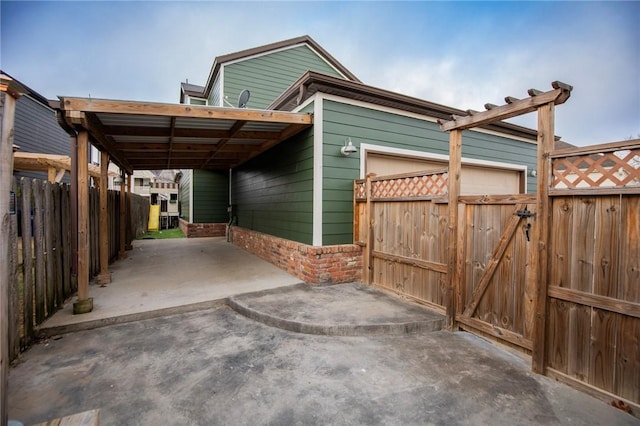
(31, 161)
(539, 255)
(182, 132)
(234, 129)
(104, 277)
(83, 304)
(122, 254)
(455, 170)
(171, 137)
(180, 110)
(519, 107)
(95, 127)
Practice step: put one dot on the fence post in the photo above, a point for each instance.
(84, 303)
(455, 167)
(105, 276)
(10, 90)
(539, 257)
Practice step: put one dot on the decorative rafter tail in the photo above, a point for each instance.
(561, 85)
(489, 106)
(534, 92)
(510, 99)
(472, 112)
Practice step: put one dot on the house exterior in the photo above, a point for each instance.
(298, 196)
(165, 194)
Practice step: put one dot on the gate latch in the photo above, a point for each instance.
(526, 213)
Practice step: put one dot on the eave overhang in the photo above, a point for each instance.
(156, 136)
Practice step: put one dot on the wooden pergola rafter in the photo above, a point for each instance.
(544, 103)
(155, 136)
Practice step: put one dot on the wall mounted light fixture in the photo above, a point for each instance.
(348, 148)
(533, 173)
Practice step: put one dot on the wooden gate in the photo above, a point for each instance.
(495, 295)
(402, 223)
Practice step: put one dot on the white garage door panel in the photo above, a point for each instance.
(475, 180)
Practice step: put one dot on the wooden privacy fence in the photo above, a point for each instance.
(592, 334)
(401, 221)
(593, 304)
(41, 251)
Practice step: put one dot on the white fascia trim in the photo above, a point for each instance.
(191, 197)
(257, 55)
(305, 103)
(317, 171)
(221, 77)
(403, 113)
(282, 49)
(328, 63)
(366, 148)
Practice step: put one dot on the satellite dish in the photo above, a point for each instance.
(243, 98)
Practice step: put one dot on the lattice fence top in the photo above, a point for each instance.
(404, 186)
(614, 169)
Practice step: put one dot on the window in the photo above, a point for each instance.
(173, 198)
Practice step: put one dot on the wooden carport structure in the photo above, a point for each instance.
(153, 136)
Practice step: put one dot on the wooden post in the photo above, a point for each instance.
(128, 230)
(368, 255)
(123, 209)
(104, 277)
(83, 304)
(539, 244)
(455, 168)
(73, 195)
(8, 95)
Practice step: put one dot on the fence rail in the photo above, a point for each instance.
(41, 251)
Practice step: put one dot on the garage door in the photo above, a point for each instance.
(475, 180)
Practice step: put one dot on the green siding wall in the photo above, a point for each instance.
(210, 196)
(183, 194)
(267, 76)
(273, 193)
(369, 126)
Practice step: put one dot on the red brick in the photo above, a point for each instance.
(313, 264)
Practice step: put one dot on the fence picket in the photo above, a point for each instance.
(48, 241)
(65, 212)
(39, 250)
(27, 260)
(14, 297)
(57, 246)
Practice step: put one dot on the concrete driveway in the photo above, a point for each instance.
(217, 367)
(161, 277)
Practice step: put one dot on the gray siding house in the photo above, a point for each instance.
(36, 130)
(302, 189)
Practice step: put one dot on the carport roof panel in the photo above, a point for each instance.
(122, 128)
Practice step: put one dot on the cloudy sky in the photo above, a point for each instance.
(461, 54)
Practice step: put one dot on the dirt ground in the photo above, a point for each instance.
(218, 367)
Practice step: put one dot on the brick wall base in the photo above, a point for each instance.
(193, 230)
(312, 264)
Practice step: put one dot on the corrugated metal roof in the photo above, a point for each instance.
(142, 135)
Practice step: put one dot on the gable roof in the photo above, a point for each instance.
(305, 39)
(191, 90)
(312, 82)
